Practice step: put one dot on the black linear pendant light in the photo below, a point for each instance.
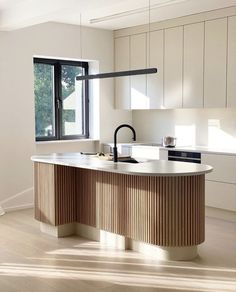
(119, 73)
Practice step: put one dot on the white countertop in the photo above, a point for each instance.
(204, 149)
(197, 148)
(148, 168)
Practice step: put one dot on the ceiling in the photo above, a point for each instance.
(105, 14)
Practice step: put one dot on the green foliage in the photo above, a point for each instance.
(44, 102)
(68, 74)
(44, 95)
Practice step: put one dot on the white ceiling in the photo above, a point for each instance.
(111, 14)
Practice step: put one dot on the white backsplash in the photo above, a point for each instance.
(206, 127)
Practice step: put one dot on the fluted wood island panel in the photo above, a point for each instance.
(160, 210)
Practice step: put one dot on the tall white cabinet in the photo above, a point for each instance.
(138, 60)
(215, 63)
(155, 81)
(231, 68)
(193, 65)
(122, 63)
(173, 64)
(221, 183)
(196, 63)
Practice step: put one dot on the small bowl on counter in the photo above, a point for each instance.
(169, 141)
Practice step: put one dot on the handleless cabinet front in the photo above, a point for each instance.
(138, 53)
(193, 65)
(122, 63)
(231, 67)
(173, 67)
(215, 63)
(155, 60)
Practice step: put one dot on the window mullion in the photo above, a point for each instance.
(57, 100)
(86, 99)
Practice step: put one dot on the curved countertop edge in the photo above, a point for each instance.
(148, 168)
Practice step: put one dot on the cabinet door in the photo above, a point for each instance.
(122, 84)
(215, 63)
(173, 67)
(146, 152)
(193, 65)
(221, 195)
(224, 167)
(155, 81)
(163, 154)
(138, 54)
(231, 74)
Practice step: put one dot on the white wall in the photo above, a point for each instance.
(207, 127)
(17, 99)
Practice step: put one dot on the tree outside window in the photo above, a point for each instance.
(61, 102)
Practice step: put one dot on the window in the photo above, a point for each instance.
(61, 102)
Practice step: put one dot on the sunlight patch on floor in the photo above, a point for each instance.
(125, 277)
(183, 265)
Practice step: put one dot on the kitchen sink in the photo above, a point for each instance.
(128, 160)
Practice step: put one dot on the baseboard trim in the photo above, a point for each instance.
(20, 207)
(220, 214)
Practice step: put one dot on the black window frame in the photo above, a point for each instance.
(56, 63)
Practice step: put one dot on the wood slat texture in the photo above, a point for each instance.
(44, 190)
(65, 195)
(165, 211)
(55, 194)
(86, 196)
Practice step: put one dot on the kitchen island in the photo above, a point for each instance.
(153, 206)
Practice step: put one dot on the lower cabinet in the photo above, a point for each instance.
(138, 151)
(163, 154)
(148, 152)
(221, 183)
(123, 149)
(221, 195)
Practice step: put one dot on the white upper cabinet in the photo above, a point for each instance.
(122, 63)
(231, 74)
(155, 60)
(138, 60)
(196, 64)
(215, 63)
(193, 65)
(173, 67)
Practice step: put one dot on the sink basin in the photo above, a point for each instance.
(129, 160)
(126, 159)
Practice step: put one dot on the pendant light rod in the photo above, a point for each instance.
(118, 74)
(122, 73)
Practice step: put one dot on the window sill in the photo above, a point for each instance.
(66, 141)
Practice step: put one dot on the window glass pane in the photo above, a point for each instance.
(72, 101)
(44, 100)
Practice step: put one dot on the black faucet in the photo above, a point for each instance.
(115, 153)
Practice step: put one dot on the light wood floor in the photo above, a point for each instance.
(32, 261)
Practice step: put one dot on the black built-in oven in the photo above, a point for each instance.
(185, 156)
